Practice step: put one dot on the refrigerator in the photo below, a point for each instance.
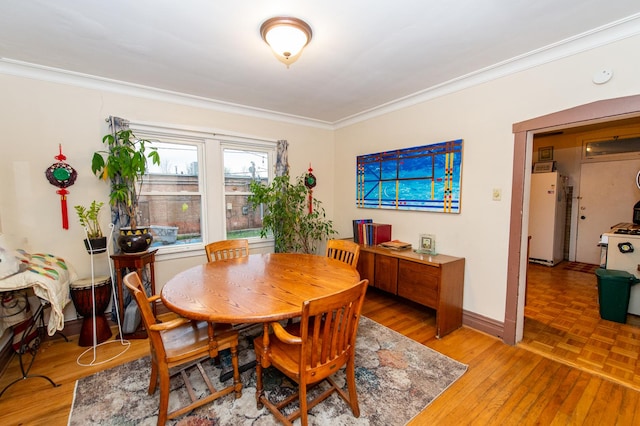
(547, 216)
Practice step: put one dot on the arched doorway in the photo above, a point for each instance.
(599, 111)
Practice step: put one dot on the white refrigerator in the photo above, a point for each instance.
(547, 216)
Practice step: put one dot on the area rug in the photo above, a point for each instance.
(396, 378)
(581, 267)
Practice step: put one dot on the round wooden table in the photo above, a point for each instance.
(257, 288)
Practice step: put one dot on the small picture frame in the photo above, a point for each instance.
(545, 153)
(544, 167)
(427, 244)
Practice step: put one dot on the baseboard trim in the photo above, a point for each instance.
(483, 324)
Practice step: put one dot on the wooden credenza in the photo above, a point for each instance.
(436, 281)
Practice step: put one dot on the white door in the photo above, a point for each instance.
(607, 195)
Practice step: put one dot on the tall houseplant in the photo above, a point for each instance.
(287, 215)
(124, 163)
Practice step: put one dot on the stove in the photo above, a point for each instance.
(625, 229)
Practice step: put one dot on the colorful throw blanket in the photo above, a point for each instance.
(49, 276)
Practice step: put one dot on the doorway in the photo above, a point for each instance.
(596, 112)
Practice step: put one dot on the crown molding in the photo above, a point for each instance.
(597, 37)
(71, 78)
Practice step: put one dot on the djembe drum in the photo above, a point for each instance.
(83, 301)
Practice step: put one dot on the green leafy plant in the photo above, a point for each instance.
(124, 163)
(287, 215)
(88, 218)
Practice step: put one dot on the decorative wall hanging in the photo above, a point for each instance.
(62, 175)
(310, 183)
(425, 178)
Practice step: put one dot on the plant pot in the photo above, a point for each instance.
(96, 245)
(134, 240)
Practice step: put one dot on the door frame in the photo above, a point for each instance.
(595, 112)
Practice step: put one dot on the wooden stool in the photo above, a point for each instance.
(83, 301)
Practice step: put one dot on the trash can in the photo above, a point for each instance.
(614, 290)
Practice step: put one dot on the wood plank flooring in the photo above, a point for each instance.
(504, 385)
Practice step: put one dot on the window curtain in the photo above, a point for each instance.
(282, 158)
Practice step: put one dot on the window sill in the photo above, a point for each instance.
(193, 250)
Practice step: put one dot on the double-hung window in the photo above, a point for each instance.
(243, 163)
(172, 198)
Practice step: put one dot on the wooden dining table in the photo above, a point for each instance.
(257, 288)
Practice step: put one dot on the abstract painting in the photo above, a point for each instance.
(423, 178)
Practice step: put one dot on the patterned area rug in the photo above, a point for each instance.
(581, 267)
(396, 378)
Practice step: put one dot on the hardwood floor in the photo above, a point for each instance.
(504, 385)
(562, 321)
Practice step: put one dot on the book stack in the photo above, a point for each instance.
(368, 233)
(396, 245)
(358, 225)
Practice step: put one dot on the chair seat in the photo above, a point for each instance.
(187, 340)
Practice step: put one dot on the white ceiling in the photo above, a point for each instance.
(364, 53)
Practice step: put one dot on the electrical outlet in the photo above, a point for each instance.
(497, 194)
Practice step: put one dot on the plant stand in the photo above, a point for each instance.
(93, 349)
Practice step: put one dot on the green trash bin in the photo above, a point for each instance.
(614, 290)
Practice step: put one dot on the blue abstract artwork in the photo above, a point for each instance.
(423, 178)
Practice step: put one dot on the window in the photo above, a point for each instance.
(244, 163)
(171, 200)
(199, 192)
(613, 148)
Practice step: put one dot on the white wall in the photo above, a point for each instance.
(483, 116)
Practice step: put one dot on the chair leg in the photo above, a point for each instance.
(259, 389)
(164, 395)
(153, 380)
(302, 396)
(237, 384)
(351, 386)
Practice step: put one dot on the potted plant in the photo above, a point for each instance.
(95, 242)
(124, 163)
(295, 227)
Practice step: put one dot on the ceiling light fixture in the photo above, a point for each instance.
(286, 36)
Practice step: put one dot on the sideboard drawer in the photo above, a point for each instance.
(419, 283)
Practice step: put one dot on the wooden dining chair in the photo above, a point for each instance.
(182, 343)
(313, 350)
(344, 250)
(227, 249)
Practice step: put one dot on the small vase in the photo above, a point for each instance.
(135, 240)
(96, 245)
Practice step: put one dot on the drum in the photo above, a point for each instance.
(81, 295)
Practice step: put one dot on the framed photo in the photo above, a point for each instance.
(544, 167)
(545, 153)
(414, 170)
(427, 244)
